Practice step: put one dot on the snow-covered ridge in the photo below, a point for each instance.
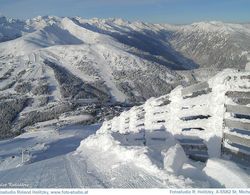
(176, 46)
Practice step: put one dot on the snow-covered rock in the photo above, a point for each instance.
(174, 158)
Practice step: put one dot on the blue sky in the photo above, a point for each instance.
(158, 11)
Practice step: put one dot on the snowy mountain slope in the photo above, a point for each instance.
(57, 61)
(214, 44)
(204, 44)
(60, 61)
(67, 32)
(12, 28)
(178, 47)
(141, 39)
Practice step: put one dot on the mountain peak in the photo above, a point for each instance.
(42, 21)
(5, 19)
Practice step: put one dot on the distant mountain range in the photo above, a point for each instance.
(55, 65)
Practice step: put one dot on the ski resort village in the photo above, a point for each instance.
(109, 103)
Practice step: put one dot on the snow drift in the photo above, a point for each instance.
(227, 174)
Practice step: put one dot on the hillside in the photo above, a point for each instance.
(71, 64)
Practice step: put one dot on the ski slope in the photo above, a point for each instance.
(56, 164)
(68, 171)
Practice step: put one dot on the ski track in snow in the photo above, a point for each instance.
(59, 167)
(64, 172)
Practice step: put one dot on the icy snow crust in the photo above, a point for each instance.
(135, 136)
